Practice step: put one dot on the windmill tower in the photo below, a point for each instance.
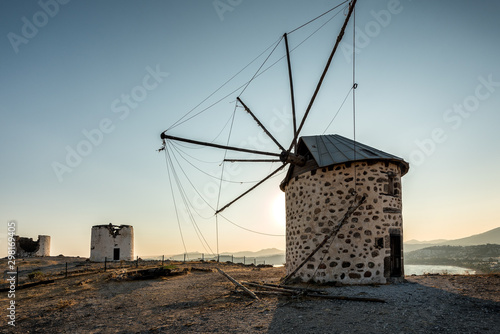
(368, 246)
(343, 199)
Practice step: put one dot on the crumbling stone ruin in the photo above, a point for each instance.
(112, 243)
(27, 247)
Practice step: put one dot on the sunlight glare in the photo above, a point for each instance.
(278, 208)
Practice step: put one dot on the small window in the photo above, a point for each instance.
(379, 243)
(390, 189)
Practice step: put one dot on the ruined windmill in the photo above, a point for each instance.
(343, 200)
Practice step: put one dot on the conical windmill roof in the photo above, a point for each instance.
(334, 149)
(328, 150)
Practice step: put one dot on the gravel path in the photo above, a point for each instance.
(205, 302)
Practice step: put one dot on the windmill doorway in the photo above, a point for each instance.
(396, 262)
(116, 254)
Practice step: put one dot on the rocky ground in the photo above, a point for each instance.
(205, 302)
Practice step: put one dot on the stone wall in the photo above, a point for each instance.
(106, 238)
(317, 200)
(27, 247)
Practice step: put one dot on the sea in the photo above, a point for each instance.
(415, 269)
(411, 269)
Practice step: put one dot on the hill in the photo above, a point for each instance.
(482, 257)
(488, 237)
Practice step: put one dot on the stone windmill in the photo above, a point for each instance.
(343, 200)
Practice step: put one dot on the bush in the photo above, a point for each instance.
(36, 275)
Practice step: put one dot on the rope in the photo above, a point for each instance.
(354, 86)
(175, 205)
(221, 177)
(335, 116)
(210, 206)
(267, 58)
(180, 120)
(275, 44)
(187, 205)
(206, 173)
(246, 229)
(317, 17)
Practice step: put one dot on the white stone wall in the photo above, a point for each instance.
(105, 238)
(317, 200)
(44, 241)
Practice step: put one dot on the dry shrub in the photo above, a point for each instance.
(64, 303)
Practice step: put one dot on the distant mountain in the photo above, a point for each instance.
(269, 256)
(488, 237)
(261, 253)
(431, 242)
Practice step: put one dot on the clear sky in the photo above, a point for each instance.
(88, 86)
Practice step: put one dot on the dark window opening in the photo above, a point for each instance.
(390, 189)
(379, 243)
(116, 254)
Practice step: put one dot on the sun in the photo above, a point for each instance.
(279, 213)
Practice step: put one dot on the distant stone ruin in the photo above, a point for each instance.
(27, 247)
(112, 243)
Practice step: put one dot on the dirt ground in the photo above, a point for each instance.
(206, 302)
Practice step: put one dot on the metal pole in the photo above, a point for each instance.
(184, 257)
(254, 260)
(105, 262)
(202, 256)
(232, 258)
(162, 259)
(66, 270)
(137, 262)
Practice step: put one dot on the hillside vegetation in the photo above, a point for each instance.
(484, 258)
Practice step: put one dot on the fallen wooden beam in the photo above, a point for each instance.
(304, 293)
(307, 290)
(255, 285)
(253, 295)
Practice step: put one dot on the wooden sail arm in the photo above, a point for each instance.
(251, 160)
(292, 97)
(191, 141)
(260, 124)
(249, 190)
(339, 38)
